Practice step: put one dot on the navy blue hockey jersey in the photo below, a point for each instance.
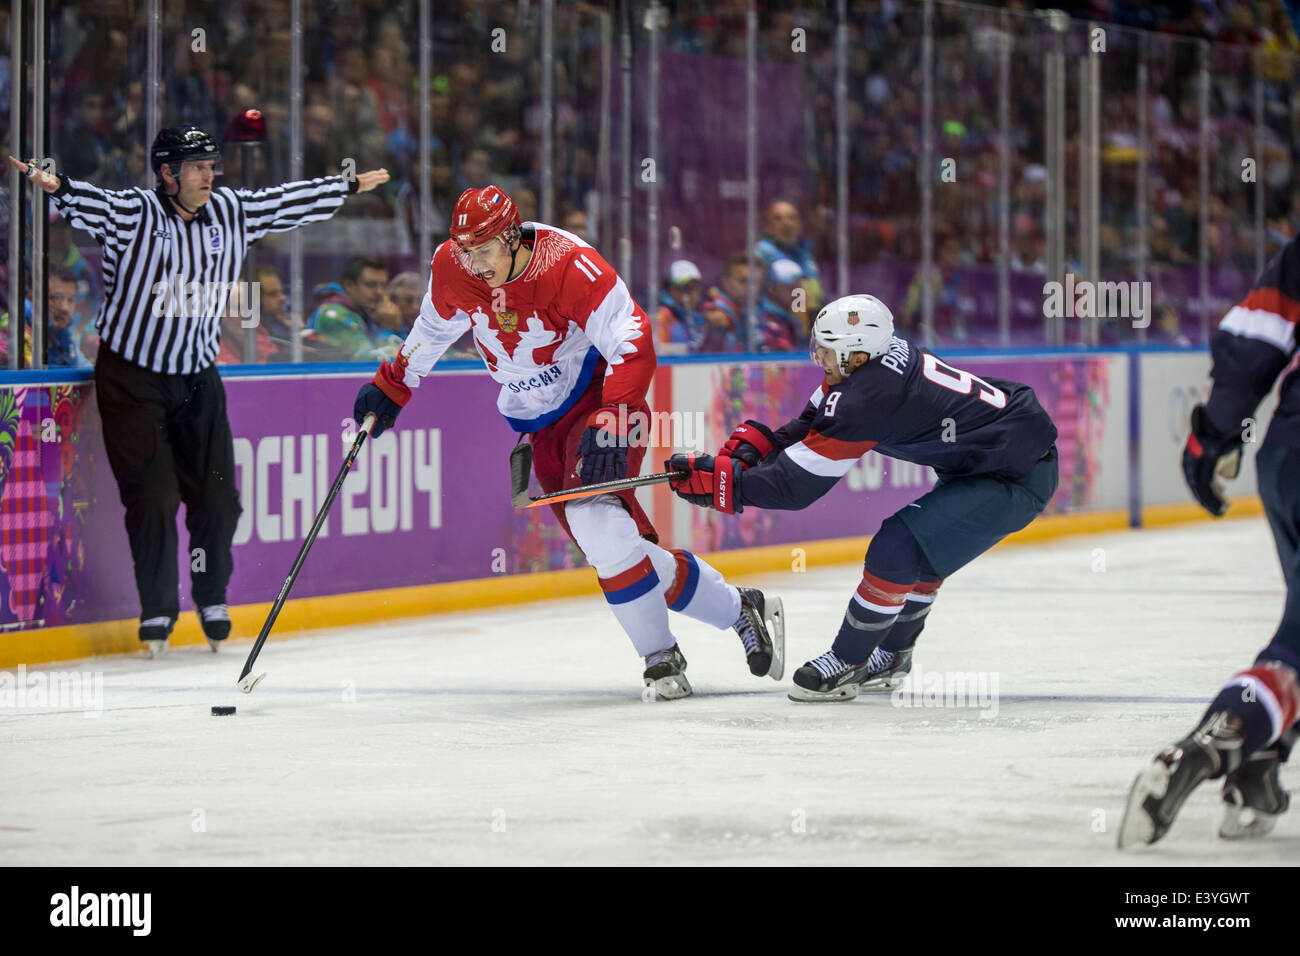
(1254, 344)
(908, 404)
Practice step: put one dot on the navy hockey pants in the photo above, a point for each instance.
(961, 518)
(1279, 489)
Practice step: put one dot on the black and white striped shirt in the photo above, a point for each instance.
(153, 312)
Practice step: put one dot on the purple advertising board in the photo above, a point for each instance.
(429, 502)
(426, 503)
(1074, 391)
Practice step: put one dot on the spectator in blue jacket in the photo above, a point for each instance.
(782, 326)
(724, 303)
(61, 346)
(783, 239)
(681, 325)
(62, 301)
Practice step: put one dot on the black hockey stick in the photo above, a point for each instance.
(247, 682)
(521, 463)
(604, 488)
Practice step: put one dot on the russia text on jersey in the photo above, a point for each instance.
(543, 334)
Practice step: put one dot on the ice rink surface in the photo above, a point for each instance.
(520, 736)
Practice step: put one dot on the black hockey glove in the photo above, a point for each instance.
(384, 395)
(602, 452)
(1208, 459)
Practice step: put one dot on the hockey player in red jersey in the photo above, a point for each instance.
(1248, 730)
(560, 332)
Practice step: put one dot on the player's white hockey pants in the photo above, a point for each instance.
(642, 581)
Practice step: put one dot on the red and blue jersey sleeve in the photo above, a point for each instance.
(848, 423)
(910, 405)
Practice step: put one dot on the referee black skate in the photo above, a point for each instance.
(161, 401)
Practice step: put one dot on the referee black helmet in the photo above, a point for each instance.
(176, 144)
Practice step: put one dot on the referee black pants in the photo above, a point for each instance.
(168, 440)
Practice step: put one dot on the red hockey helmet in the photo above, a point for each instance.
(483, 214)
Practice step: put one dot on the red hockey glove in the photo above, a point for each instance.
(749, 444)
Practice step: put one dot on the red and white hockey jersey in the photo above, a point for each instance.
(543, 333)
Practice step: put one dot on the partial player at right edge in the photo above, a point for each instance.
(1247, 732)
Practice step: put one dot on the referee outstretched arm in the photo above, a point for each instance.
(157, 244)
(171, 258)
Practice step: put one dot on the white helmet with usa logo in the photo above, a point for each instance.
(853, 323)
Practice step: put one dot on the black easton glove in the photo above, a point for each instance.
(1208, 459)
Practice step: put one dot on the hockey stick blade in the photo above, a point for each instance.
(246, 682)
(587, 491)
(521, 466)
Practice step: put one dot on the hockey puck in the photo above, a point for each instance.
(222, 711)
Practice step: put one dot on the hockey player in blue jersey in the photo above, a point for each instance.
(1248, 730)
(990, 443)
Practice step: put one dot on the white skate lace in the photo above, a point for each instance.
(156, 622)
(216, 612)
(745, 628)
(880, 660)
(829, 664)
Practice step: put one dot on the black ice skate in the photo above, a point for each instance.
(1160, 790)
(154, 633)
(761, 627)
(1252, 794)
(886, 669)
(827, 678)
(665, 675)
(215, 619)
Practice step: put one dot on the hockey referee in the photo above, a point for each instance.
(170, 260)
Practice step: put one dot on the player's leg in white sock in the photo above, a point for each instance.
(691, 586)
(607, 536)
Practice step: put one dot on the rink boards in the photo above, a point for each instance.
(424, 522)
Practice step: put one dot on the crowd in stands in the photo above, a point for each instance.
(361, 103)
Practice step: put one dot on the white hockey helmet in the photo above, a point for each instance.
(853, 323)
